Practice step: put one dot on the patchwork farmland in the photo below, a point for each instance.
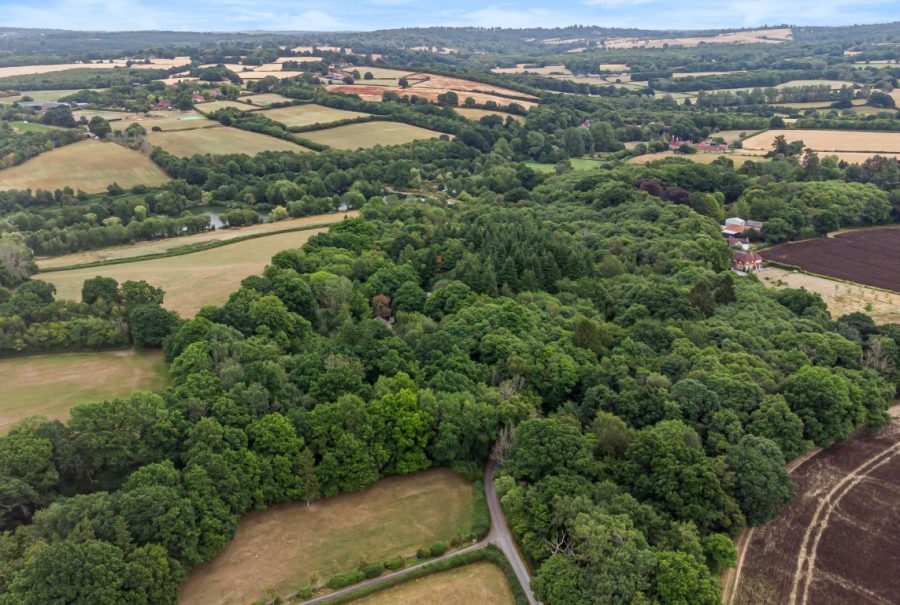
(826, 141)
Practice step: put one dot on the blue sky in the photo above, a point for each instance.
(205, 15)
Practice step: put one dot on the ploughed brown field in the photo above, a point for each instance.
(836, 542)
(867, 256)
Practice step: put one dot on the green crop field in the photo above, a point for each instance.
(192, 280)
(280, 548)
(305, 115)
(50, 385)
(87, 165)
(218, 141)
(370, 134)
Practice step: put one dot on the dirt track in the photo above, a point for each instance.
(835, 543)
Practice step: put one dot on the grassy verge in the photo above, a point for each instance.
(489, 553)
(188, 249)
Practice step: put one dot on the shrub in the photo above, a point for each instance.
(305, 592)
(346, 579)
(373, 570)
(395, 563)
(438, 548)
(423, 553)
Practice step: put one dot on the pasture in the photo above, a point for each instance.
(50, 385)
(191, 280)
(87, 165)
(307, 115)
(213, 106)
(32, 127)
(41, 96)
(278, 549)
(523, 68)
(474, 583)
(841, 297)
(179, 121)
(265, 99)
(370, 134)
(218, 141)
(822, 141)
(161, 246)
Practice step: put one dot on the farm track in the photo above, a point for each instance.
(499, 536)
(833, 543)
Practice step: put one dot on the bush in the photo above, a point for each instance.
(423, 553)
(373, 570)
(438, 548)
(346, 579)
(394, 563)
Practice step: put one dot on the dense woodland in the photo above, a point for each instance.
(641, 398)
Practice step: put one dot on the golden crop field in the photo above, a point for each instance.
(522, 68)
(50, 385)
(822, 141)
(306, 115)
(161, 246)
(278, 549)
(482, 583)
(218, 141)
(192, 280)
(370, 134)
(24, 70)
(87, 165)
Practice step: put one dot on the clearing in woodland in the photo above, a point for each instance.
(192, 280)
(306, 115)
(50, 385)
(370, 134)
(87, 165)
(475, 583)
(279, 549)
(219, 141)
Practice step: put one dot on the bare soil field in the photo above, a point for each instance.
(369, 134)
(835, 543)
(841, 297)
(822, 141)
(866, 256)
(165, 245)
(87, 165)
(218, 141)
(278, 549)
(482, 583)
(757, 36)
(192, 280)
(306, 115)
(50, 385)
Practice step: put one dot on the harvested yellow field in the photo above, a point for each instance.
(24, 70)
(739, 159)
(523, 68)
(177, 79)
(278, 549)
(482, 583)
(218, 141)
(701, 74)
(834, 84)
(161, 246)
(309, 114)
(192, 280)
(298, 59)
(383, 73)
(87, 165)
(50, 385)
(369, 134)
(841, 297)
(756, 36)
(822, 141)
(259, 75)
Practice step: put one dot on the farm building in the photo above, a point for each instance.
(735, 226)
(746, 261)
(197, 97)
(735, 242)
(164, 104)
(710, 147)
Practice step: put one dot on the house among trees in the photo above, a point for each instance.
(164, 104)
(746, 261)
(197, 97)
(735, 242)
(710, 147)
(736, 225)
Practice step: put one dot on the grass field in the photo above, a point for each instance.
(280, 548)
(265, 99)
(111, 116)
(41, 96)
(824, 141)
(87, 165)
(218, 141)
(370, 134)
(187, 120)
(305, 115)
(51, 384)
(477, 114)
(32, 127)
(165, 245)
(211, 106)
(476, 583)
(841, 297)
(192, 280)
